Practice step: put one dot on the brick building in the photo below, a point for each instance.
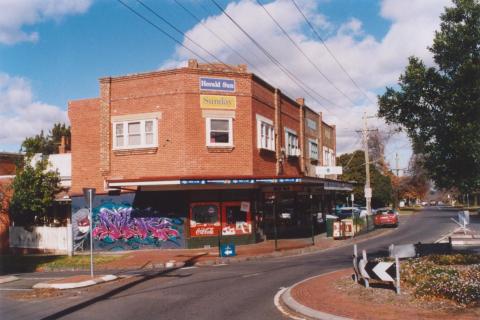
(183, 157)
(8, 165)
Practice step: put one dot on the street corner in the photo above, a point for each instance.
(343, 298)
(301, 300)
(79, 281)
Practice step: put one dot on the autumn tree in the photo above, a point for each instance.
(354, 170)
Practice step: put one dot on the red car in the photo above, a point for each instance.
(385, 217)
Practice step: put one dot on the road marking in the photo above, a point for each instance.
(251, 275)
(276, 301)
(15, 289)
(40, 278)
(219, 265)
(186, 268)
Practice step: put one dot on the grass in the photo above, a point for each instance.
(31, 263)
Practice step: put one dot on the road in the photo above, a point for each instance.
(236, 291)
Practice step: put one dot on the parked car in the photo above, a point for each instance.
(386, 217)
(346, 212)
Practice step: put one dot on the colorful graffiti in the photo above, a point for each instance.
(114, 223)
(122, 227)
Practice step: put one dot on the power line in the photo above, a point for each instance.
(275, 61)
(161, 30)
(218, 37)
(181, 32)
(330, 52)
(303, 53)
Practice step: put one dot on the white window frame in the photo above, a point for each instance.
(208, 129)
(265, 129)
(329, 159)
(294, 150)
(143, 143)
(310, 149)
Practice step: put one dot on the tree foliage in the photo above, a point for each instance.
(46, 144)
(34, 189)
(354, 170)
(439, 107)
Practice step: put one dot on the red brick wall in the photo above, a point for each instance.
(264, 161)
(85, 120)
(182, 150)
(290, 118)
(5, 195)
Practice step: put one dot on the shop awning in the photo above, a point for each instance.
(239, 182)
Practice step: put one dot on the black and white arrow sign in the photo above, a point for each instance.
(384, 271)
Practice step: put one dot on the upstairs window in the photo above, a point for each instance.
(291, 143)
(265, 134)
(135, 134)
(219, 132)
(313, 149)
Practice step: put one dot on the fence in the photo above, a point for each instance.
(42, 239)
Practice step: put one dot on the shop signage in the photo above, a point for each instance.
(245, 206)
(321, 170)
(337, 185)
(238, 181)
(368, 192)
(217, 84)
(218, 102)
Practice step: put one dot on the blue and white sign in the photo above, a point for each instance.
(227, 250)
(217, 84)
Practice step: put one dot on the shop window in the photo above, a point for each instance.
(313, 149)
(234, 215)
(219, 132)
(265, 133)
(135, 134)
(205, 214)
(291, 143)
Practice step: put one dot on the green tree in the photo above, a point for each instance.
(439, 107)
(34, 189)
(354, 170)
(46, 144)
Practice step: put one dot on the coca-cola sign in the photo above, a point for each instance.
(208, 231)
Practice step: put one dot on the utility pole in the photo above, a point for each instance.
(368, 190)
(397, 159)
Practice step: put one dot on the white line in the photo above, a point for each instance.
(14, 289)
(276, 301)
(39, 278)
(186, 268)
(251, 275)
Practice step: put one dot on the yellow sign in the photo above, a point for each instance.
(218, 102)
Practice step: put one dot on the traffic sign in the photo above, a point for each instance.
(227, 250)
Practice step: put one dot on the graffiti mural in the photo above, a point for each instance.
(119, 226)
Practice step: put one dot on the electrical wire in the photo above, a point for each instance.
(162, 31)
(304, 54)
(330, 52)
(275, 61)
(182, 33)
(219, 38)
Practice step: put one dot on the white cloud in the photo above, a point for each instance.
(21, 115)
(373, 63)
(15, 14)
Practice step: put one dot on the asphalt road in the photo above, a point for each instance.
(237, 291)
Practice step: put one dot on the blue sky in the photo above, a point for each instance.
(55, 51)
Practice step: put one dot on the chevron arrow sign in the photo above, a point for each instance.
(383, 271)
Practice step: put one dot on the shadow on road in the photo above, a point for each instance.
(111, 293)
